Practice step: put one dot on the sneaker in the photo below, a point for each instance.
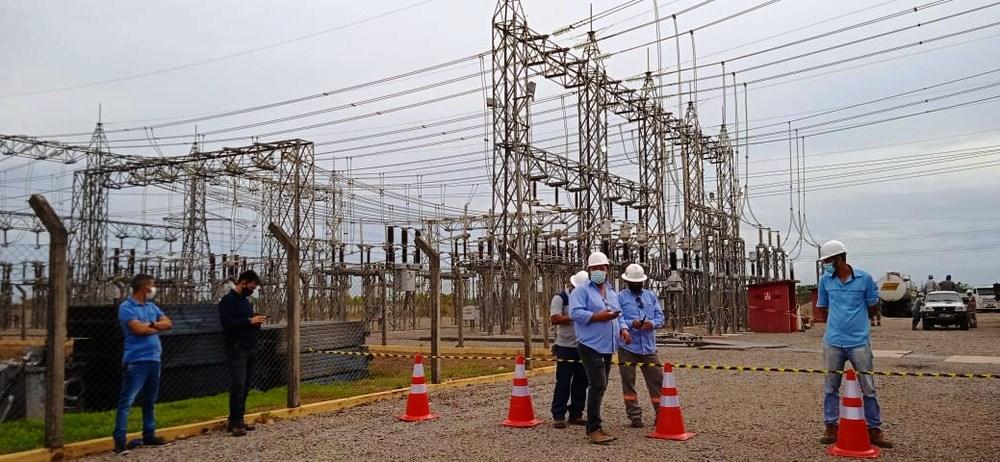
(120, 448)
(830, 435)
(560, 424)
(637, 423)
(153, 441)
(239, 431)
(578, 420)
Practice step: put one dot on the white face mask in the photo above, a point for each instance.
(152, 292)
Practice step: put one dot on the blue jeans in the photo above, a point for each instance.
(138, 376)
(834, 359)
(571, 384)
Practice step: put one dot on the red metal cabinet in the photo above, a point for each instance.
(772, 307)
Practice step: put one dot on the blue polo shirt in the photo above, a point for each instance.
(139, 347)
(647, 307)
(847, 323)
(584, 302)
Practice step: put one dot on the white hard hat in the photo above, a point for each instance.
(831, 248)
(634, 273)
(968, 292)
(579, 279)
(597, 259)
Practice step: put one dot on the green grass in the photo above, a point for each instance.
(384, 374)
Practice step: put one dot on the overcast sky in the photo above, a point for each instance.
(921, 191)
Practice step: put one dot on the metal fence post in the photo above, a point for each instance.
(434, 257)
(55, 337)
(293, 308)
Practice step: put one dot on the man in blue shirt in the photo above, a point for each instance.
(141, 322)
(595, 313)
(847, 296)
(642, 314)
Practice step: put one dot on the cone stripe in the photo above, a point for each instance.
(853, 402)
(852, 389)
(852, 413)
(418, 370)
(670, 401)
(668, 392)
(519, 371)
(669, 381)
(520, 390)
(416, 380)
(520, 381)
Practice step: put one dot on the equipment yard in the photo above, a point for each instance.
(736, 415)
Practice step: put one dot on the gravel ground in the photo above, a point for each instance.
(738, 416)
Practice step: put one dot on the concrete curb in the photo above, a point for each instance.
(99, 445)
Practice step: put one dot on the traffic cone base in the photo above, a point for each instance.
(521, 413)
(852, 434)
(418, 406)
(669, 420)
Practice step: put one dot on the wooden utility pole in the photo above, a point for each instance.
(434, 258)
(55, 338)
(293, 312)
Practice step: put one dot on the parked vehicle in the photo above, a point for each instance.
(896, 293)
(943, 308)
(986, 299)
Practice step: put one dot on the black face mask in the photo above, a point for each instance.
(246, 292)
(635, 288)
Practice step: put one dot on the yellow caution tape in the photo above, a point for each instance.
(710, 367)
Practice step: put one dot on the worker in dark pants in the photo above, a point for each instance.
(570, 392)
(240, 326)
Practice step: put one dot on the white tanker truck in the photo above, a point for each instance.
(896, 293)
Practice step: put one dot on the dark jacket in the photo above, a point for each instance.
(235, 313)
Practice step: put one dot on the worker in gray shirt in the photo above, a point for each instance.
(571, 379)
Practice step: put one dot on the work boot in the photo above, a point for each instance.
(153, 441)
(599, 437)
(830, 436)
(578, 420)
(120, 448)
(877, 438)
(637, 423)
(560, 424)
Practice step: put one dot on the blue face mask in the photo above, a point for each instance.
(828, 269)
(598, 276)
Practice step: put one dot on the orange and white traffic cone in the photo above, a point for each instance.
(418, 406)
(521, 412)
(669, 421)
(852, 436)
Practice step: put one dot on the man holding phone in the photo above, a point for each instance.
(240, 325)
(597, 320)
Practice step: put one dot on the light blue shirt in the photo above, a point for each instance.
(139, 347)
(847, 323)
(644, 307)
(584, 302)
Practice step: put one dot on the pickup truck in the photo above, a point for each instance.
(986, 299)
(944, 308)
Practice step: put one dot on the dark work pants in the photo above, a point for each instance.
(915, 311)
(241, 362)
(571, 384)
(598, 366)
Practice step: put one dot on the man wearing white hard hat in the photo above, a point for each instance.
(848, 296)
(642, 313)
(599, 329)
(570, 392)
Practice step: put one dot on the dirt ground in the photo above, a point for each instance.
(746, 416)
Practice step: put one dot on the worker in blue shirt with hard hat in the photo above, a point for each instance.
(596, 319)
(642, 313)
(848, 296)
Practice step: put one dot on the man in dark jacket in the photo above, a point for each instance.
(240, 325)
